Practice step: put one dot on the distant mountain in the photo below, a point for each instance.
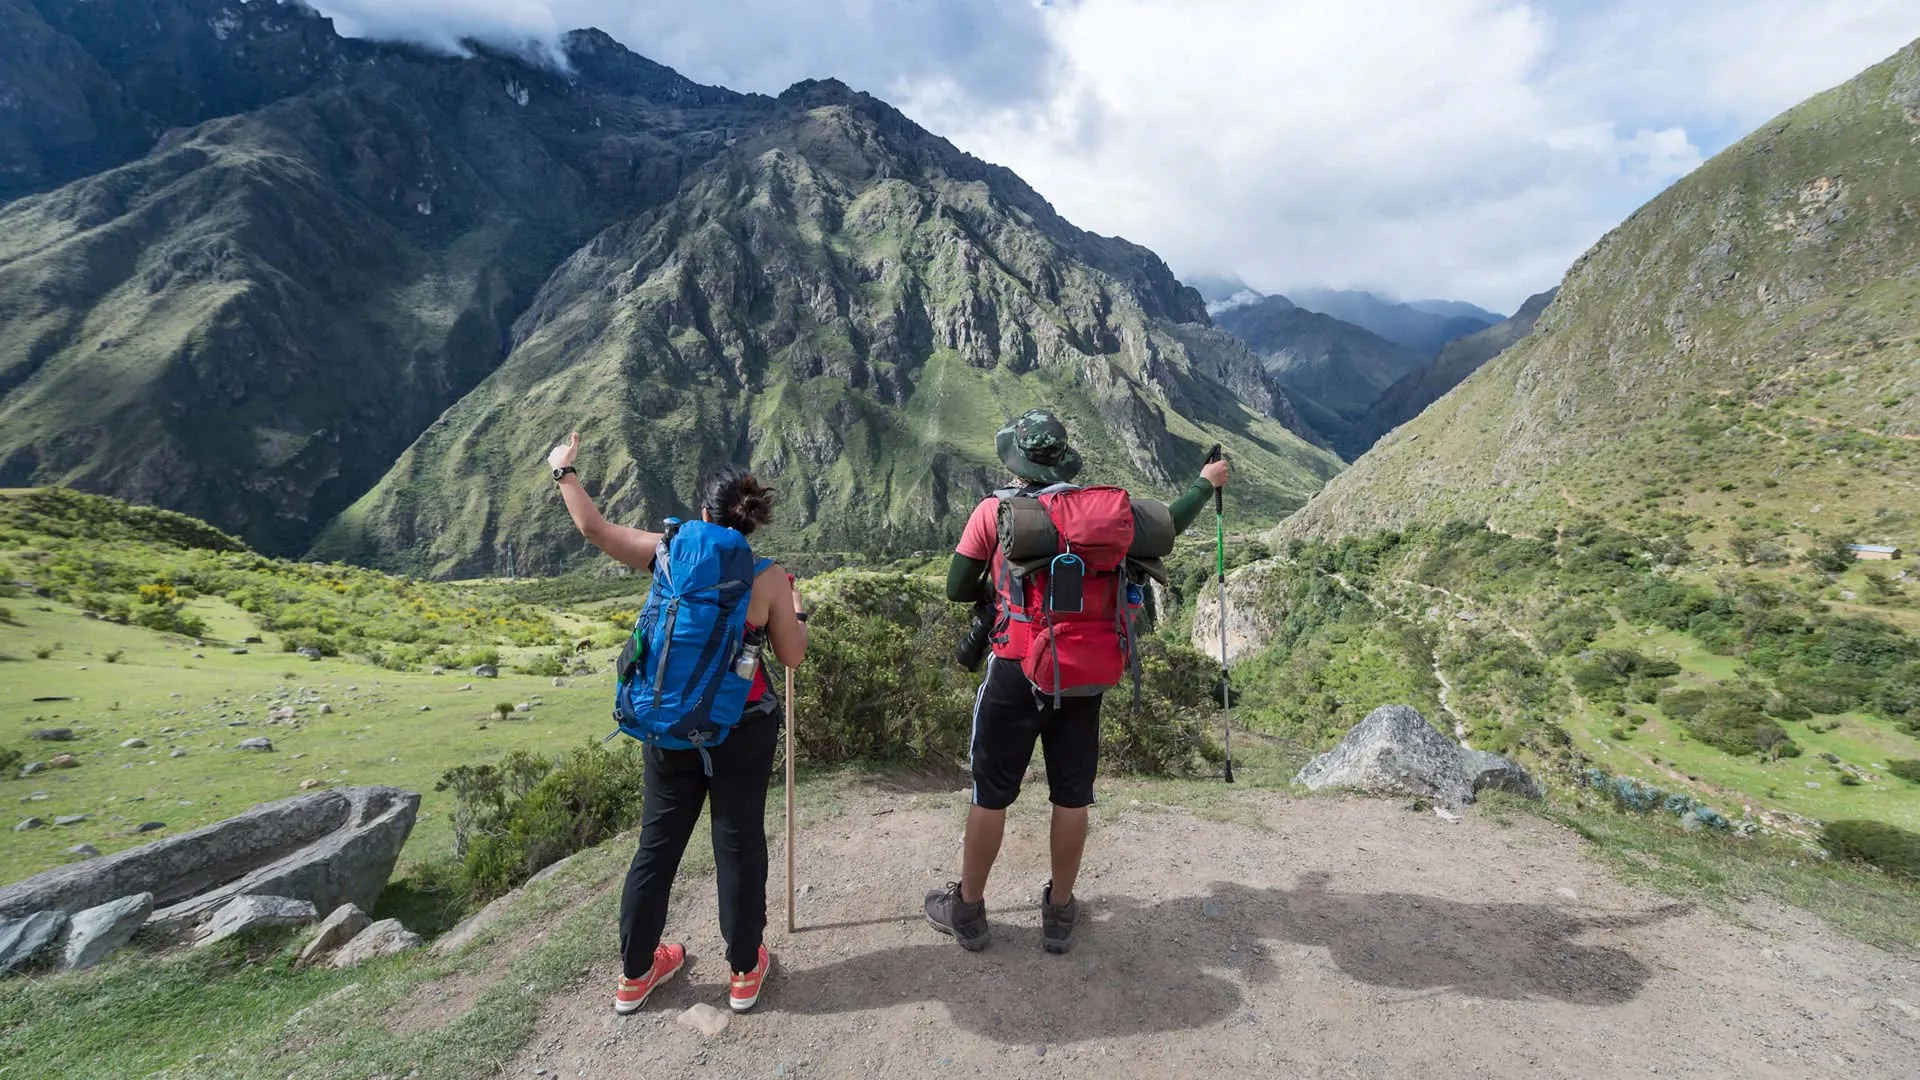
(1462, 357)
(1735, 360)
(1332, 371)
(1456, 309)
(289, 283)
(1423, 331)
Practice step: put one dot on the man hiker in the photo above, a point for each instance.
(1013, 708)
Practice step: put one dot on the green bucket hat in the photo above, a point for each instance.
(1034, 446)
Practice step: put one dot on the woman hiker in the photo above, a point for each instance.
(678, 781)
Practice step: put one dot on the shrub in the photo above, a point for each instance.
(45, 652)
(513, 819)
(1831, 553)
(1906, 770)
(1889, 847)
(114, 656)
(545, 665)
(9, 761)
(503, 709)
(6, 617)
(295, 640)
(1736, 726)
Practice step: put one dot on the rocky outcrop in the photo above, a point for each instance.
(1254, 611)
(1395, 751)
(95, 933)
(326, 848)
(23, 939)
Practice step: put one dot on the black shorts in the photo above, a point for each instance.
(1008, 715)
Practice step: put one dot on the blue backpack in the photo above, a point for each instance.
(676, 686)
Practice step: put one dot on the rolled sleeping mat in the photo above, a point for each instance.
(1153, 531)
(1026, 530)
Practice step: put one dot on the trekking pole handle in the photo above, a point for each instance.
(1219, 494)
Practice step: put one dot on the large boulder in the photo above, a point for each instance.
(95, 933)
(384, 938)
(1395, 751)
(25, 938)
(326, 848)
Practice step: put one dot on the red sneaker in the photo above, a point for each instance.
(632, 994)
(745, 990)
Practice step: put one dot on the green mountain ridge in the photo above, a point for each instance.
(253, 318)
(850, 306)
(1461, 357)
(1740, 358)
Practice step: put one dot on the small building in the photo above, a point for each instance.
(1874, 551)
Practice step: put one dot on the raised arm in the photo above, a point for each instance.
(634, 547)
(1188, 506)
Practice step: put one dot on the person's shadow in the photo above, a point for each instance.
(1147, 968)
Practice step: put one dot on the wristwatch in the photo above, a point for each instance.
(562, 471)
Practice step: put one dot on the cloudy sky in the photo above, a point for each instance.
(1457, 148)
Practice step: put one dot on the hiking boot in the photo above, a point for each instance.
(951, 915)
(744, 990)
(632, 993)
(1056, 921)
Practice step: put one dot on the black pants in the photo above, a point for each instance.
(677, 784)
(1009, 715)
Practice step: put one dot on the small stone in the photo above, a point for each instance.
(253, 639)
(56, 734)
(485, 671)
(437, 670)
(525, 706)
(558, 681)
(29, 824)
(704, 1019)
(1566, 894)
(237, 651)
(62, 761)
(308, 651)
(150, 826)
(70, 819)
(32, 767)
(325, 709)
(309, 784)
(133, 744)
(338, 928)
(465, 686)
(177, 752)
(84, 851)
(426, 708)
(284, 712)
(1211, 908)
(256, 744)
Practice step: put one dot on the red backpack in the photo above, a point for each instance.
(1065, 650)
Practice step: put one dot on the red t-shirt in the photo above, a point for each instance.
(760, 687)
(982, 535)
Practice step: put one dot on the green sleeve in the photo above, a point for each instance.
(967, 580)
(1187, 507)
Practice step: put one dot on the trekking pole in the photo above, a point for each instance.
(1220, 570)
(790, 746)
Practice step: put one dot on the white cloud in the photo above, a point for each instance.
(1458, 148)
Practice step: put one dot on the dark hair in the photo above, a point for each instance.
(732, 497)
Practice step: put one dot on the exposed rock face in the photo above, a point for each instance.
(95, 933)
(327, 848)
(1394, 751)
(1253, 612)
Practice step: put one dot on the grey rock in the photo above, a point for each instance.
(133, 744)
(338, 928)
(486, 671)
(284, 712)
(328, 848)
(53, 734)
(84, 851)
(254, 912)
(558, 681)
(22, 939)
(384, 938)
(177, 752)
(705, 1019)
(69, 819)
(96, 932)
(150, 826)
(308, 651)
(62, 761)
(237, 651)
(1395, 751)
(523, 707)
(32, 767)
(256, 743)
(1211, 908)
(324, 709)
(253, 639)
(30, 823)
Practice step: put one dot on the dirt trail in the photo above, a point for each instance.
(1340, 938)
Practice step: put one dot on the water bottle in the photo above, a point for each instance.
(748, 661)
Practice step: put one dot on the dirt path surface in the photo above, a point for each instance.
(1335, 938)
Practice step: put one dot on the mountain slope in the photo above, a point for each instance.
(852, 307)
(1742, 354)
(1456, 309)
(1424, 330)
(1460, 358)
(250, 323)
(1332, 370)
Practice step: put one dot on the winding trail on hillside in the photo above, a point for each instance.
(1308, 937)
